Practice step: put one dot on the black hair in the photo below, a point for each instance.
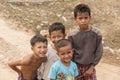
(56, 26)
(38, 38)
(62, 43)
(81, 8)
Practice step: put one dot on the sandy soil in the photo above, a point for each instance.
(15, 44)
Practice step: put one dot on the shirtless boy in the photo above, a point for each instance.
(30, 63)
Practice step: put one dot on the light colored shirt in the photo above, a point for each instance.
(45, 67)
(58, 71)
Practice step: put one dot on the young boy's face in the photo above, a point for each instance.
(83, 20)
(65, 53)
(56, 36)
(40, 49)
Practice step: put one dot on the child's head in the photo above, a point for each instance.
(65, 50)
(39, 45)
(82, 8)
(82, 15)
(56, 32)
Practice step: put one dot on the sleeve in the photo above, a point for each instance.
(76, 70)
(52, 74)
(71, 40)
(99, 50)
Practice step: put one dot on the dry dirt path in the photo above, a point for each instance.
(15, 44)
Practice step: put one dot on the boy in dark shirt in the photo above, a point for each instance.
(87, 42)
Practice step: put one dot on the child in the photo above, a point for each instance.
(87, 42)
(56, 32)
(64, 68)
(30, 63)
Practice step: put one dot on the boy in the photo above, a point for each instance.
(30, 63)
(87, 42)
(56, 33)
(64, 68)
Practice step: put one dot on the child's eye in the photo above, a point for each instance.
(39, 47)
(69, 52)
(45, 46)
(58, 36)
(53, 37)
(86, 17)
(42, 47)
(80, 18)
(62, 53)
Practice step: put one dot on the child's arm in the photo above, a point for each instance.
(14, 65)
(97, 55)
(99, 50)
(52, 73)
(25, 61)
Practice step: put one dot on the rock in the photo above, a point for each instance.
(110, 49)
(117, 58)
(64, 18)
(38, 27)
(58, 15)
(1, 57)
(44, 33)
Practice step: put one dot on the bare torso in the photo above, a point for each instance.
(29, 71)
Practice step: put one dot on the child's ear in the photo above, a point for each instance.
(31, 48)
(65, 36)
(75, 18)
(49, 36)
(73, 49)
(57, 53)
(90, 17)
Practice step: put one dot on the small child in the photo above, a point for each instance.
(56, 33)
(64, 68)
(30, 63)
(87, 42)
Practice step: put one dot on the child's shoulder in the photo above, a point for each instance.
(73, 32)
(56, 64)
(28, 58)
(96, 30)
(73, 63)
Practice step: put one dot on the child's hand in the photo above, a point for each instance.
(20, 74)
(89, 71)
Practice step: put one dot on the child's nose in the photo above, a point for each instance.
(66, 55)
(83, 20)
(42, 49)
(56, 39)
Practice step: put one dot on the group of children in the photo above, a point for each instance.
(73, 58)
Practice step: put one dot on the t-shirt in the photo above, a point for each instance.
(58, 71)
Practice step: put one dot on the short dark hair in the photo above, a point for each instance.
(62, 43)
(81, 8)
(57, 26)
(38, 38)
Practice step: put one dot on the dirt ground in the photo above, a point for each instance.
(36, 16)
(15, 44)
